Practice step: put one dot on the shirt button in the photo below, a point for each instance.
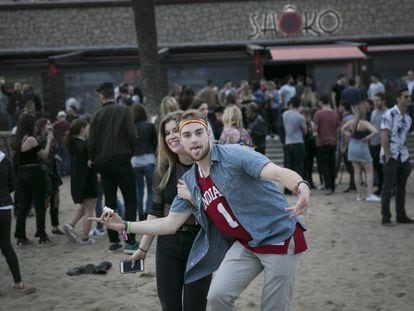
(192, 264)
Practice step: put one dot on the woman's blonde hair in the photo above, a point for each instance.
(359, 114)
(166, 158)
(232, 116)
(168, 104)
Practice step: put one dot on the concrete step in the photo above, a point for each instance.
(274, 149)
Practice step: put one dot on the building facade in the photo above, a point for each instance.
(66, 48)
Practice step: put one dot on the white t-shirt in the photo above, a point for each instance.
(286, 93)
(374, 89)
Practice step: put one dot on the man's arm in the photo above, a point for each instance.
(385, 143)
(285, 176)
(130, 129)
(161, 226)
(333, 99)
(91, 140)
(290, 180)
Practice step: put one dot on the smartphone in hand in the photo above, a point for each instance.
(125, 266)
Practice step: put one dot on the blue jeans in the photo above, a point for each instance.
(146, 171)
(64, 166)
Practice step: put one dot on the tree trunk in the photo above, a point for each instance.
(153, 83)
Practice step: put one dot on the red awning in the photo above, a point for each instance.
(313, 53)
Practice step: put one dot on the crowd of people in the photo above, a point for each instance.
(199, 195)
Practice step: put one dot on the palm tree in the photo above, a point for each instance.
(153, 83)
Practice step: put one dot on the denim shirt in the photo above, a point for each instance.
(257, 205)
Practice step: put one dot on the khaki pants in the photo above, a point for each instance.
(240, 266)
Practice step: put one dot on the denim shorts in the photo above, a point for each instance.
(358, 151)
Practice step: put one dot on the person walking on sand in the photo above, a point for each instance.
(246, 223)
(83, 181)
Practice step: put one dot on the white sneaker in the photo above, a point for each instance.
(268, 137)
(97, 232)
(87, 242)
(359, 198)
(373, 198)
(70, 233)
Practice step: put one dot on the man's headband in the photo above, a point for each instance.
(186, 122)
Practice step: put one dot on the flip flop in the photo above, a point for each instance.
(87, 269)
(102, 268)
(73, 271)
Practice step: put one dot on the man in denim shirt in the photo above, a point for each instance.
(246, 222)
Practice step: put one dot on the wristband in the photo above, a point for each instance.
(304, 182)
(124, 230)
(301, 182)
(143, 250)
(128, 227)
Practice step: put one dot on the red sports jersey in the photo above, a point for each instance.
(219, 211)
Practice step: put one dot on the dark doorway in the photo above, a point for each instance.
(280, 71)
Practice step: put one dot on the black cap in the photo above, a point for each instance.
(105, 87)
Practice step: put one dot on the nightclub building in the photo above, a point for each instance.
(66, 48)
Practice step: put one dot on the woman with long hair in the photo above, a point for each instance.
(168, 104)
(233, 132)
(53, 180)
(173, 250)
(31, 179)
(360, 132)
(143, 161)
(83, 181)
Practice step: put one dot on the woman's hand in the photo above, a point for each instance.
(137, 255)
(50, 136)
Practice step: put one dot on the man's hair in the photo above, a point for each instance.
(193, 114)
(219, 109)
(347, 105)
(106, 89)
(139, 113)
(253, 107)
(325, 99)
(197, 102)
(294, 101)
(380, 96)
(123, 89)
(209, 82)
(401, 90)
(351, 82)
(340, 76)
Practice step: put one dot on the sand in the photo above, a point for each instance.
(353, 263)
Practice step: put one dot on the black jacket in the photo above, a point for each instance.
(6, 182)
(112, 133)
(147, 138)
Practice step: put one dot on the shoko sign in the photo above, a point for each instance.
(291, 22)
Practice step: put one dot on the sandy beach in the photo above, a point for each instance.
(353, 263)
